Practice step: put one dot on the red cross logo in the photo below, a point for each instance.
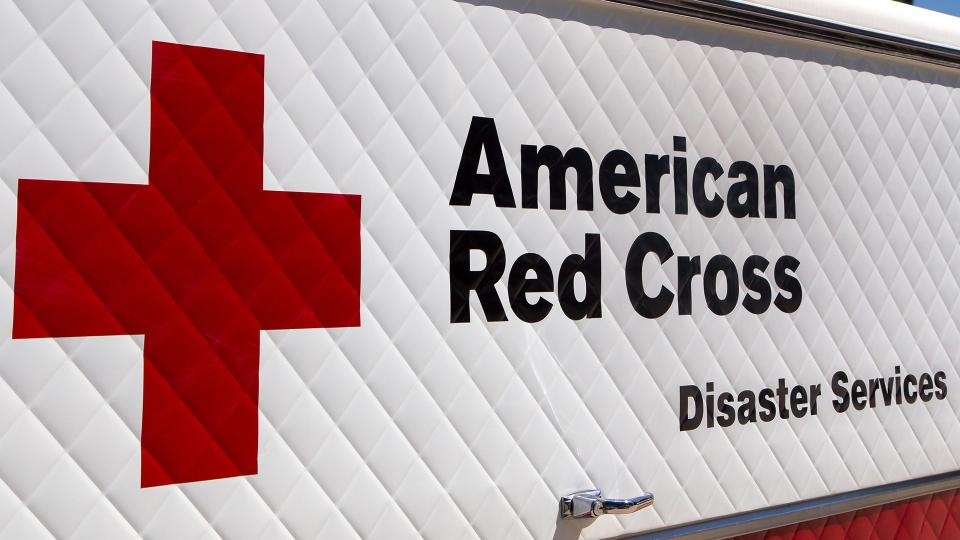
(199, 261)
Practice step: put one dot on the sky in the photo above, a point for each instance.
(946, 6)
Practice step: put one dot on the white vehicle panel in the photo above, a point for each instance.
(411, 425)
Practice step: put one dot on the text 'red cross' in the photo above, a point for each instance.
(199, 261)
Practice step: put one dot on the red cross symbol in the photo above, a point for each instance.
(199, 261)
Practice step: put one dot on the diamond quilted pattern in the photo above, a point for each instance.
(409, 426)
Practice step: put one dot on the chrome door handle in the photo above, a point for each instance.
(588, 504)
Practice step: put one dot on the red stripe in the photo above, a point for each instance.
(926, 518)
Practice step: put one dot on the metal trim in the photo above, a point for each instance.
(788, 514)
(770, 20)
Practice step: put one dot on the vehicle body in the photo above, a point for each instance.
(702, 250)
